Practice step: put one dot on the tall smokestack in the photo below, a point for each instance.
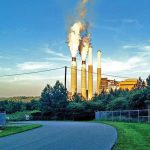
(83, 80)
(98, 72)
(73, 76)
(90, 74)
(73, 44)
(84, 48)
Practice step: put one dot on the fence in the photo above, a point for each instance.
(124, 115)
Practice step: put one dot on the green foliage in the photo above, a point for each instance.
(148, 81)
(119, 103)
(53, 97)
(11, 106)
(76, 98)
(23, 99)
(33, 105)
(54, 105)
(16, 106)
(20, 116)
(79, 111)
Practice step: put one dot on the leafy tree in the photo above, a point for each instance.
(148, 81)
(119, 103)
(53, 97)
(143, 84)
(33, 105)
(139, 85)
(137, 99)
(76, 98)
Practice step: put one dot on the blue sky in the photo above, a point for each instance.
(33, 35)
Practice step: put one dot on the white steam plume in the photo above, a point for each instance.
(84, 46)
(74, 37)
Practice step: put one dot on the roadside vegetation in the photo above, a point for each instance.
(54, 104)
(8, 130)
(21, 115)
(20, 98)
(131, 136)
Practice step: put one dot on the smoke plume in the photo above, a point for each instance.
(78, 37)
(84, 46)
(82, 8)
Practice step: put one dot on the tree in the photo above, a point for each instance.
(76, 98)
(53, 97)
(59, 95)
(139, 84)
(148, 81)
(137, 99)
(143, 84)
(119, 103)
(46, 97)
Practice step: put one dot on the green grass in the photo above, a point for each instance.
(8, 130)
(20, 116)
(131, 136)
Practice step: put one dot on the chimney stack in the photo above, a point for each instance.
(83, 80)
(73, 76)
(98, 72)
(90, 74)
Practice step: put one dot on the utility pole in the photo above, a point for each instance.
(65, 78)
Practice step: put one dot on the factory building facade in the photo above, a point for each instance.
(129, 84)
(107, 84)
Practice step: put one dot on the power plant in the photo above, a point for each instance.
(79, 40)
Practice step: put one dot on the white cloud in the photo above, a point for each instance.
(145, 47)
(134, 66)
(58, 56)
(140, 49)
(35, 65)
(57, 59)
(116, 66)
(130, 46)
(5, 69)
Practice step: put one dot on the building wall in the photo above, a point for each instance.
(129, 84)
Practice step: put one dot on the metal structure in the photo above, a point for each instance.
(124, 115)
(98, 72)
(90, 74)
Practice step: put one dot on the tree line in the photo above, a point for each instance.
(54, 103)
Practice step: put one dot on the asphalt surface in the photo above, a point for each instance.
(55, 135)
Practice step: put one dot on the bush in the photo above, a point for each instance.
(119, 103)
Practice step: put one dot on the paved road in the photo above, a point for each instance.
(62, 136)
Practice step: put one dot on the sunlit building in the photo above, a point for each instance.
(107, 84)
(129, 84)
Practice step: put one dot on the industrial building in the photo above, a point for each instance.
(107, 84)
(128, 84)
(79, 40)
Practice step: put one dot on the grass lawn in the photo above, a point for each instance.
(8, 130)
(131, 136)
